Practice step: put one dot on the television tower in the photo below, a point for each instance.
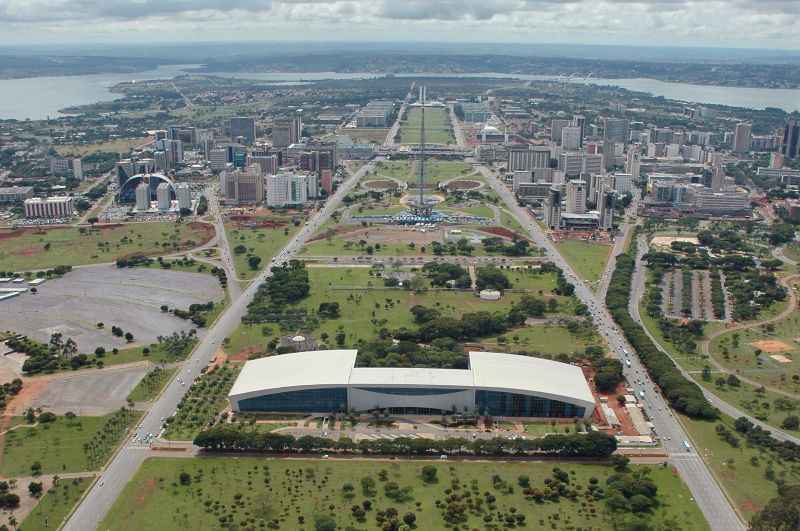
(422, 209)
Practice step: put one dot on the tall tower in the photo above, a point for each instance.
(422, 209)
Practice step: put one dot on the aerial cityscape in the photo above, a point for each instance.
(403, 280)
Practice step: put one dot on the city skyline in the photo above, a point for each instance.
(748, 24)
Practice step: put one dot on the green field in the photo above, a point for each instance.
(252, 492)
(151, 385)
(364, 312)
(737, 351)
(792, 252)
(262, 242)
(56, 504)
(31, 249)
(586, 258)
(436, 171)
(438, 129)
(545, 339)
(59, 445)
(742, 471)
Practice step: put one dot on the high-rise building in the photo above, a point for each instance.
(143, 196)
(184, 196)
(77, 169)
(571, 137)
(286, 189)
(776, 160)
(520, 177)
(556, 127)
(717, 172)
(552, 205)
(579, 120)
(218, 158)
(623, 183)
(243, 186)
(244, 128)
(49, 208)
(287, 132)
(633, 164)
(616, 129)
(576, 197)
(605, 206)
(164, 197)
(741, 137)
(791, 140)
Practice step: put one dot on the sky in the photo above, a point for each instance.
(723, 23)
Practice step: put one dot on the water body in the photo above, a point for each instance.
(40, 97)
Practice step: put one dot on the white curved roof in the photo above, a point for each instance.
(514, 373)
(491, 371)
(300, 370)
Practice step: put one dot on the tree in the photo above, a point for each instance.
(253, 262)
(35, 488)
(429, 474)
(324, 522)
(128, 337)
(185, 478)
(792, 422)
(781, 513)
(410, 519)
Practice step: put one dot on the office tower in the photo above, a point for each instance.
(49, 208)
(553, 208)
(579, 120)
(717, 172)
(160, 135)
(576, 197)
(77, 169)
(556, 127)
(776, 160)
(286, 189)
(615, 129)
(143, 196)
(571, 137)
(327, 182)
(741, 138)
(163, 197)
(243, 127)
(605, 206)
(609, 154)
(791, 140)
(520, 177)
(633, 163)
(623, 183)
(184, 196)
(243, 186)
(287, 132)
(218, 158)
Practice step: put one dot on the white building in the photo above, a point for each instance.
(576, 197)
(184, 196)
(49, 208)
(286, 189)
(143, 196)
(218, 158)
(571, 137)
(499, 385)
(163, 197)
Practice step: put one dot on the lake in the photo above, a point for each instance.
(40, 97)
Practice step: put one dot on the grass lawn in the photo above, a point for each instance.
(436, 171)
(59, 445)
(157, 354)
(365, 312)
(262, 242)
(792, 252)
(737, 350)
(544, 339)
(248, 336)
(545, 428)
(149, 386)
(56, 504)
(122, 145)
(586, 258)
(35, 249)
(438, 129)
(339, 246)
(294, 492)
(742, 471)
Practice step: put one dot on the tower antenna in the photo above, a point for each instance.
(422, 208)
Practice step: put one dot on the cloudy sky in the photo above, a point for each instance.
(727, 23)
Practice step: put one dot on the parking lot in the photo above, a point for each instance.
(129, 298)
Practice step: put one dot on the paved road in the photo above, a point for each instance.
(706, 491)
(126, 462)
(638, 290)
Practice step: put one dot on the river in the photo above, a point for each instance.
(41, 97)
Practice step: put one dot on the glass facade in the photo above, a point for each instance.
(325, 400)
(499, 404)
(409, 391)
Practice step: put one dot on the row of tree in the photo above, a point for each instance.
(230, 439)
(683, 395)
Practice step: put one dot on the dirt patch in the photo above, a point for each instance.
(749, 506)
(666, 241)
(771, 345)
(219, 359)
(145, 491)
(244, 355)
(503, 233)
(31, 389)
